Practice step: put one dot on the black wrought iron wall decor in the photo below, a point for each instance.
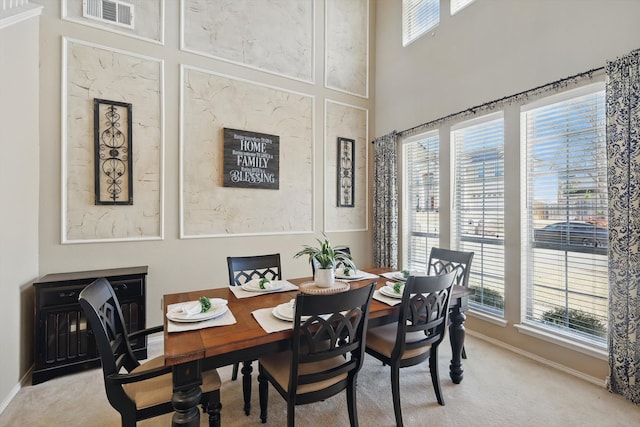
(346, 172)
(113, 156)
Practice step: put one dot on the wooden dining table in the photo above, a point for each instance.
(191, 352)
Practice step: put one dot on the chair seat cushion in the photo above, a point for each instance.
(158, 390)
(279, 366)
(383, 338)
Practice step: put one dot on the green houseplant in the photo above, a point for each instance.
(324, 257)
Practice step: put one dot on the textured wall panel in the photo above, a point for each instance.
(213, 102)
(350, 122)
(95, 72)
(274, 36)
(347, 34)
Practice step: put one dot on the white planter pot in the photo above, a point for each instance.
(325, 277)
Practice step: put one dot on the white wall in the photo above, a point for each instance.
(177, 264)
(489, 50)
(19, 175)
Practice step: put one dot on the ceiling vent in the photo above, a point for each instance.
(111, 11)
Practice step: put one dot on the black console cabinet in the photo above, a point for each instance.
(63, 341)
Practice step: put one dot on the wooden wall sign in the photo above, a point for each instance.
(251, 159)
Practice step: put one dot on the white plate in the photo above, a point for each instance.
(389, 292)
(399, 276)
(286, 310)
(277, 315)
(352, 274)
(215, 311)
(254, 286)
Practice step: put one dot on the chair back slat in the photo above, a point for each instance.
(424, 312)
(333, 326)
(246, 268)
(446, 260)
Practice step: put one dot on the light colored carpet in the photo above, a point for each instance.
(500, 388)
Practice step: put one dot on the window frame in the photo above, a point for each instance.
(528, 324)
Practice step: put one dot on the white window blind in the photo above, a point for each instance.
(422, 177)
(458, 5)
(418, 17)
(479, 208)
(566, 224)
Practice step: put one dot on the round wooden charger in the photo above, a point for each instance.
(312, 288)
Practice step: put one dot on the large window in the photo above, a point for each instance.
(566, 214)
(418, 17)
(422, 199)
(479, 207)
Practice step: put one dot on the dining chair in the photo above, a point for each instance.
(241, 270)
(416, 336)
(327, 352)
(446, 260)
(144, 390)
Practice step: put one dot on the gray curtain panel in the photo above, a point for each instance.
(385, 201)
(623, 176)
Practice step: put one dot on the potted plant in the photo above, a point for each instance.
(324, 258)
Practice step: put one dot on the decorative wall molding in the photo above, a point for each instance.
(277, 37)
(346, 121)
(93, 71)
(210, 102)
(347, 46)
(16, 11)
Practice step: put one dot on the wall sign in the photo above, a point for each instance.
(251, 159)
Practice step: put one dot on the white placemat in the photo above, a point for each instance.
(241, 293)
(385, 299)
(269, 323)
(390, 275)
(364, 276)
(226, 319)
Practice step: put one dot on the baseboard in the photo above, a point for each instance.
(25, 380)
(593, 380)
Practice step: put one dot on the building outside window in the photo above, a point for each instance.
(422, 198)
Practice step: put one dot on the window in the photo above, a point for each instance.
(458, 5)
(479, 207)
(422, 198)
(566, 214)
(418, 17)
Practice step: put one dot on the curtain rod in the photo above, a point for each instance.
(472, 110)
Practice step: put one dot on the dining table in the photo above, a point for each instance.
(242, 338)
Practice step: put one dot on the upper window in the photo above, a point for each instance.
(478, 224)
(422, 198)
(458, 5)
(566, 286)
(418, 17)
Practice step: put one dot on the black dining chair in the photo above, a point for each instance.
(327, 352)
(447, 260)
(242, 269)
(144, 390)
(416, 336)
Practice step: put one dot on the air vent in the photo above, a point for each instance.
(110, 11)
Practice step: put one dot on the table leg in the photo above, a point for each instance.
(247, 369)
(456, 336)
(187, 378)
